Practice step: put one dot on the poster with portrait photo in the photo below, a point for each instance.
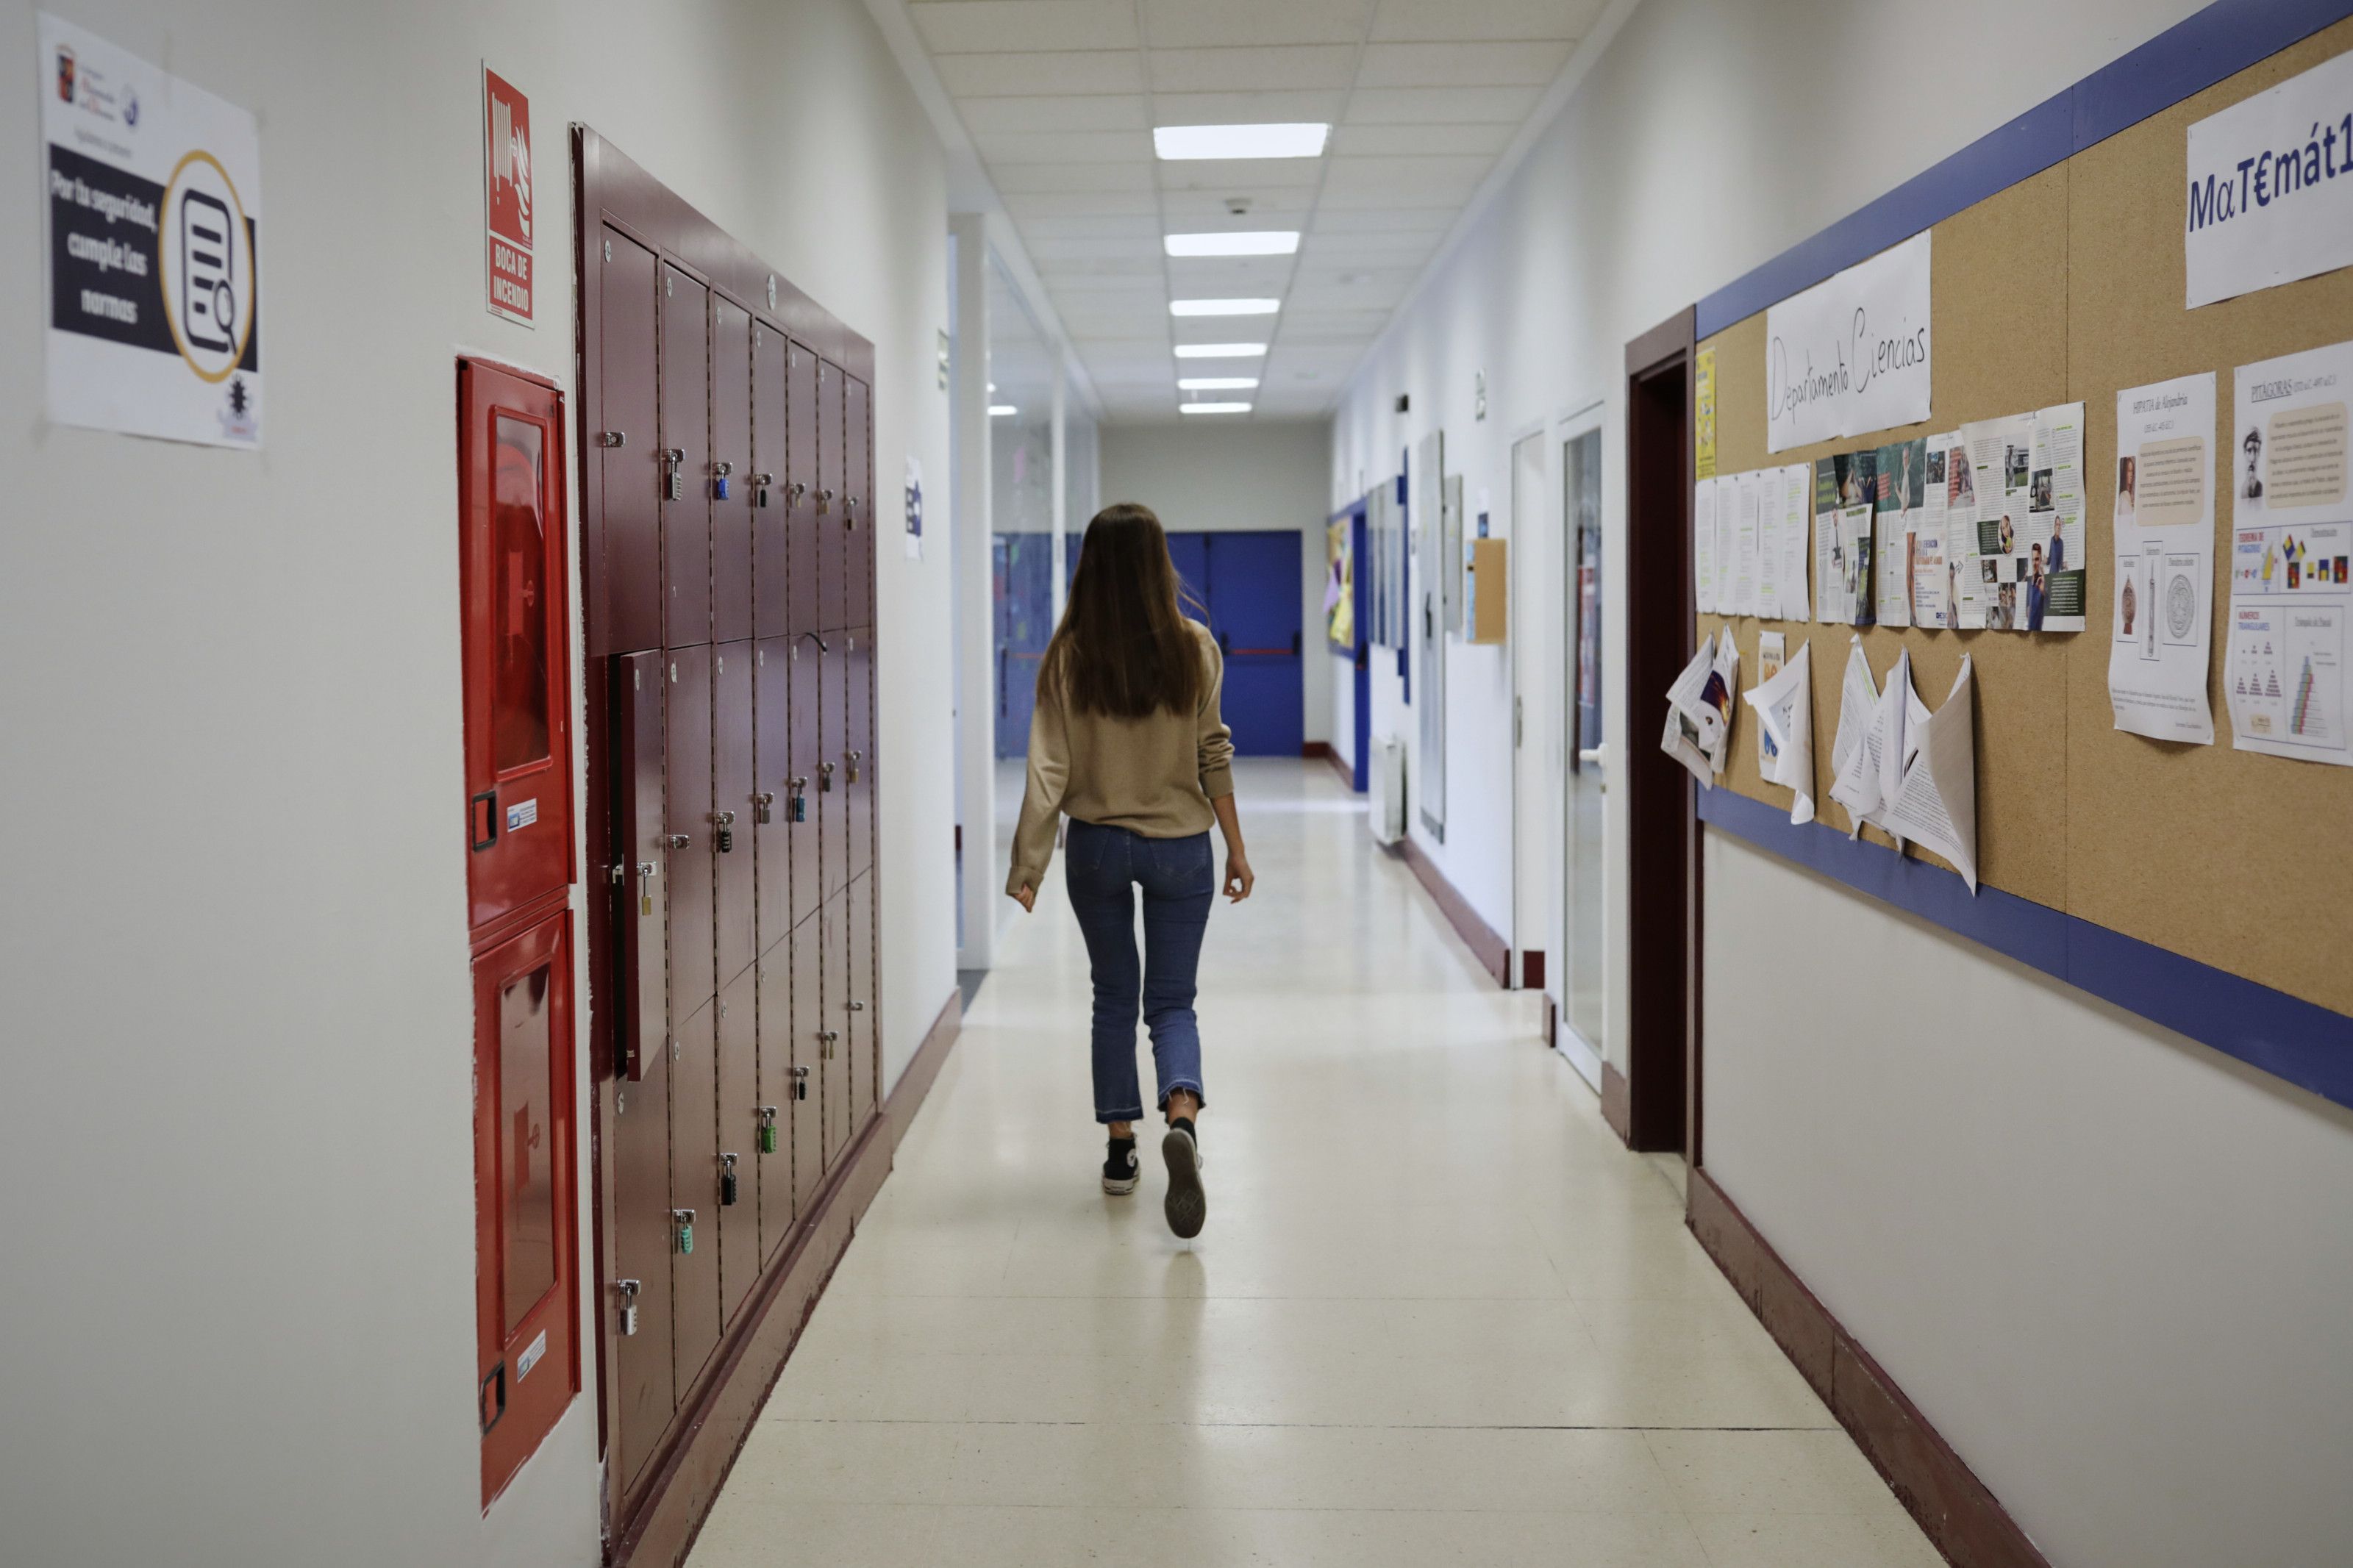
(1845, 508)
(1899, 494)
(2027, 473)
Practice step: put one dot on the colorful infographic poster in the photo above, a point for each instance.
(2164, 560)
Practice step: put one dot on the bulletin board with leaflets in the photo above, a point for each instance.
(2073, 616)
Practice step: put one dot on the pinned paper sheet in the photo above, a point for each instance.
(1703, 546)
(1858, 698)
(1699, 711)
(1872, 770)
(1785, 713)
(1935, 806)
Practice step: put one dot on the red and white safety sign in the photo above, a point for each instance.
(506, 186)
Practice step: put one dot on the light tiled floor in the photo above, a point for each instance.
(1439, 1314)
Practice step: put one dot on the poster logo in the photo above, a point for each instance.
(207, 267)
(69, 70)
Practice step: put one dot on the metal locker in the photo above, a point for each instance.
(832, 768)
(694, 1195)
(734, 810)
(857, 749)
(806, 1071)
(513, 592)
(728, 481)
(862, 519)
(837, 1064)
(733, 1186)
(693, 978)
(638, 1293)
(624, 603)
(683, 459)
(833, 479)
(862, 1024)
(640, 892)
(806, 776)
(802, 520)
(769, 487)
(770, 836)
(774, 1111)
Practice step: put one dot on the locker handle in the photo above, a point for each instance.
(483, 822)
(489, 1415)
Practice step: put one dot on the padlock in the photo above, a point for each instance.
(797, 803)
(765, 803)
(726, 822)
(767, 1130)
(853, 759)
(719, 480)
(760, 483)
(800, 1083)
(726, 1180)
(626, 1290)
(674, 474)
(684, 1221)
(824, 778)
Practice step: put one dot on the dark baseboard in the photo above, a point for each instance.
(1326, 750)
(661, 1531)
(1617, 1103)
(1961, 1518)
(1531, 970)
(1494, 955)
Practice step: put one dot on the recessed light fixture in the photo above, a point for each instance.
(1295, 139)
(1000, 410)
(1239, 242)
(1221, 351)
(1216, 382)
(1213, 408)
(1224, 307)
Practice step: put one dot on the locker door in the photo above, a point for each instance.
(687, 745)
(835, 1062)
(772, 1167)
(801, 519)
(731, 470)
(808, 1020)
(769, 487)
(807, 776)
(626, 581)
(512, 587)
(525, 1241)
(642, 831)
(694, 1191)
(684, 461)
(858, 750)
(862, 1032)
(832, 803)
(735, 814)
(833, 480)
(771, 817)
(862, 520)
(736, 1227)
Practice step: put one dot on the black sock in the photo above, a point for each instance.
(1118, 1143)
(1186, 1123)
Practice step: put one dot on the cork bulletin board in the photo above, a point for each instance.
(2068, 286)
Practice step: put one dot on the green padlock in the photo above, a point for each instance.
(685, 1219)
(767, 1130)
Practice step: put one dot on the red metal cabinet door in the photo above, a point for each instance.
(809, 1023)
(833, 490)
(694, 1195)
(803, 782)
(802, 520)
(864, 1026)
(769, 485)
(735, 814)
(735, 1208)
(772, 1165)
(641, 833)
(770, 836)
(862, 519)
(526, 1258)
(685, 459)
(512, 586)
(833, 777)
(857, 749)
(624, 574)
(834, 1039)
(731, 470)
(694, 976)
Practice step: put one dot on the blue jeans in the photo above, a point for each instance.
(1103, 867)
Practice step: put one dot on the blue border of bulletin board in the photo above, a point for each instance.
(2284, 1035)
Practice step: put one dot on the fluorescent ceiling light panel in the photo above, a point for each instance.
(1292, 141)
(1213, 408)
(1221, 351)
(1000, 410)
(1224, 307)
(1246, 242)
(1216, 382)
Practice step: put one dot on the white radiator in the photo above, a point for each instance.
(1388, 787)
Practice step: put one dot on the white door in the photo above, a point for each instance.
(1584, 937)
(1535, 806)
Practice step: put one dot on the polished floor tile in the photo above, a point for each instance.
(1439, 1315)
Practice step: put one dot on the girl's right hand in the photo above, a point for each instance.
(1027, 898)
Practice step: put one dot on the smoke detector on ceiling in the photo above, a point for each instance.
(1238, 206)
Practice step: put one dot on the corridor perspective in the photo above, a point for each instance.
(1439, 1314)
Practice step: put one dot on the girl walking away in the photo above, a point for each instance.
(1127, 740)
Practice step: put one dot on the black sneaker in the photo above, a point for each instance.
(1120, 1167)
(1187, 1205)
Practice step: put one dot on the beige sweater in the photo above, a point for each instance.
(1154, 777)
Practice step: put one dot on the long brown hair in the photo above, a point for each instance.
(1124, 647)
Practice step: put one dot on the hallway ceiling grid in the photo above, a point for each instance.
(1061, 97)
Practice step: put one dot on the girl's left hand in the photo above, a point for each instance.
(1027, 898)
(1239, 880)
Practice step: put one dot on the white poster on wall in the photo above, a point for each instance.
(2164, 585)
(1850, 354)
(2263, 203)
(154, 215)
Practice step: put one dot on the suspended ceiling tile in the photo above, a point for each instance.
(1444, 20)
(1100, 267)
(1003, 147)
(1189, 212)
(1442, 105)
(1327, 326)
(1382, 140)
(1139, 225)
(1525, 63)
(1089, 111)
(996, 26)
(1415, 218)
(1033, 178)
(1048, 248)
(1288, 67)
(1177, 23)
(1240, 174)
(1276, 108)
(1069, 74)
(1027, 205)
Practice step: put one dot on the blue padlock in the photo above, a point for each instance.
(719, 486)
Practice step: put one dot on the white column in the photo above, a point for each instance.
(1061, 478)
(975, 670)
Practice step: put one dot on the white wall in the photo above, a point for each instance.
(239, 1035)
(1238, 477)
(2156, 1255)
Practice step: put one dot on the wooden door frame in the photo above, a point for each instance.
(1656, 1105)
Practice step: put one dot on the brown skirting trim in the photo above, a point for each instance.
(686, 1483)
(1617, 1103)
(1961, 1518)
(1326, 750)
(1494, 955)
